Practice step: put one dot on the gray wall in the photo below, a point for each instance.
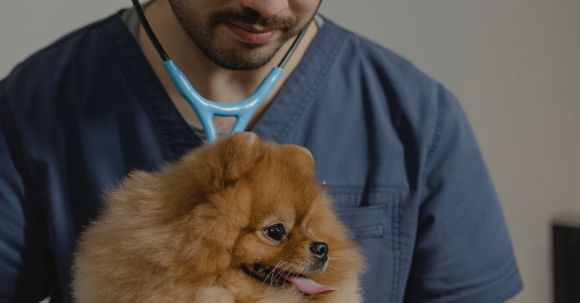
(513, 64)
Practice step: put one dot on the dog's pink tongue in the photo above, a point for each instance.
(310, 287)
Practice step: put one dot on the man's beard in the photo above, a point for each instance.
(245, 56)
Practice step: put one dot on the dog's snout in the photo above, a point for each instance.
(319, 250)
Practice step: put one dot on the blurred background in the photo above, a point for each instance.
(514, 65)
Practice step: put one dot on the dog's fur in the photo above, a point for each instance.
(184, 233)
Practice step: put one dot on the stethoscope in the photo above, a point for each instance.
(206, 109)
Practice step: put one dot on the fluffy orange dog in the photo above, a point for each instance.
(237, 221)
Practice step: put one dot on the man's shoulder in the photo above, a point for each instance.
(49, 61)
(62, 77)
(52, 75)
(359, 49)
(388, 79)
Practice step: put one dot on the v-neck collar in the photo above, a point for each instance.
(302, 86)
(300, 90)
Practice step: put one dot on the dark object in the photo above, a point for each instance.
(319, 249)
(566, 260)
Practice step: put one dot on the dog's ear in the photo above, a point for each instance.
(238, 153)
(301, 157)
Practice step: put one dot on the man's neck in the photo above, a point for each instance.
(211, 80)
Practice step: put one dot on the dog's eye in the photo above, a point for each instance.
(275, 232)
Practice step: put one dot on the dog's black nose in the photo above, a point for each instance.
(319, 250)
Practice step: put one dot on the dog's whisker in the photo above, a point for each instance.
(304, 270)
(261, 270)
(273, 272)
(265, 281)
(301, 270)
(294, 272)
(276, 274)
(281, 271)
(297, 272)
(290, 270)
(266, 278)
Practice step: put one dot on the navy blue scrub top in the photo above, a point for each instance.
(392, 145)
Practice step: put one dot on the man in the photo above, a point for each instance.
(392, 146)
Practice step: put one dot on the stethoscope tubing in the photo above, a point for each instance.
(206, 109)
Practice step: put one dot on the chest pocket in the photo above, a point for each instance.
(372, 216)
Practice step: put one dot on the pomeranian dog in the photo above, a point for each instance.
(238, 221)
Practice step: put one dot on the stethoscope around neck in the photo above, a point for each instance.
(206, 109)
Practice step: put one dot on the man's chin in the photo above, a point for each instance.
(249, 57)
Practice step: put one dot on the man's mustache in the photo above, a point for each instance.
(252, 17)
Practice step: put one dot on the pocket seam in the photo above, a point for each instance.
(374, 231)
(351, 197)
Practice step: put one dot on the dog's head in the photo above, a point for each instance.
(241, 204)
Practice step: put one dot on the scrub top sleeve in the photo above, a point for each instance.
(23, 249)
(463, 252)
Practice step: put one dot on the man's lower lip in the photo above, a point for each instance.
(250, 37)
